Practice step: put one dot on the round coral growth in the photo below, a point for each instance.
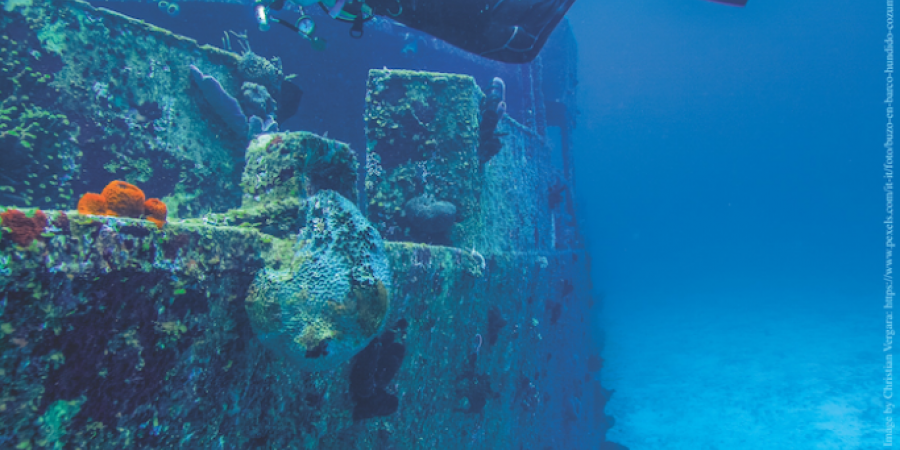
(156, 211)
(124, 199)
(92, 204)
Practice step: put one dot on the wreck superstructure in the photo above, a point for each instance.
(399, 292)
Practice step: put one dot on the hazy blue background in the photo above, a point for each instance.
(729, 166)
(722, 147)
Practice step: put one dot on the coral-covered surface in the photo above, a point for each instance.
(39, 156)
(159, 317)
(422, 139)
(513, 216)
(422, 131)
(282, 169)
(281, 166)
(75, 113)
(334, 295)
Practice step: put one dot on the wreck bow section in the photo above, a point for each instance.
(451, 310)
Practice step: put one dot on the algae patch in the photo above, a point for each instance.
(52, 37)
(12, 4)
(54, 421)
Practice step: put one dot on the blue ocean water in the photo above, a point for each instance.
(731, 174)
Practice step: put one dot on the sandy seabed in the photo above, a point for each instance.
(745, 372)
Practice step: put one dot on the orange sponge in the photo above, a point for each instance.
(156, 212)
(93, 204)
(124, 199)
